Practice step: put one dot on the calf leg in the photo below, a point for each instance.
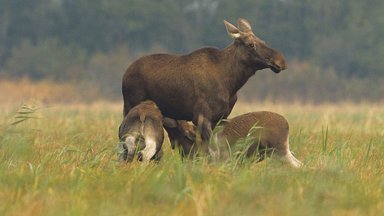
(149, 150)
(285, 155)
(153, 139)
(127, 148)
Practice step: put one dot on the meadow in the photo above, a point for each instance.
(61, 160)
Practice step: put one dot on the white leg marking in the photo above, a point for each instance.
(291, 160)
(150, 149)
(130, 145)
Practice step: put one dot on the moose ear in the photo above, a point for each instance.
(232, 30)
(244, 25)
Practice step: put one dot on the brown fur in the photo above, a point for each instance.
(181, 135)
(201, 86)
(144, 122)
(270, 131)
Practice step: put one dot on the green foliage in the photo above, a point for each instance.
(48, 59)
(106, 71)
(311, 84)
(65, 163)
(333, 34)
(21, 146)
(91, 42)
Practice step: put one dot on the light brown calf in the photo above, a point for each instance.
(261, 130)
(141, 131)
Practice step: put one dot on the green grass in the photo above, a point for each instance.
(61, 160)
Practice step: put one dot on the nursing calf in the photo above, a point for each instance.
(141, 131)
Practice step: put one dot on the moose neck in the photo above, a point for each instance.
(236, 71)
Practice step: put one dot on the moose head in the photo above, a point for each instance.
(253, 50)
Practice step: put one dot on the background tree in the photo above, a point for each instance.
(61, 39)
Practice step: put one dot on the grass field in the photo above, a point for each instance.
(61, 160)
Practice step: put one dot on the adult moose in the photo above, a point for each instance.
(201, 86)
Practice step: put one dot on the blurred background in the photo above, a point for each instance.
(77, 51)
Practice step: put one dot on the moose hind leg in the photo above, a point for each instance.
(126, 107)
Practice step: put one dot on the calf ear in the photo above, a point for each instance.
(188, 129)
(232, 30)
(244, 25)
(191, 135)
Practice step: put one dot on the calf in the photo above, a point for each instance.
(141, 131)
(261, 130)
(181, 134)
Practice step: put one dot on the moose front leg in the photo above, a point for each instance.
(205, 127)
(202, 118)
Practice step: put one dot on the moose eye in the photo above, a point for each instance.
(251, 45)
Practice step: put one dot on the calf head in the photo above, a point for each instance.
(181, 133)
(253, 51)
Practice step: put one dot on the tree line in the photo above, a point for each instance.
(70, 40)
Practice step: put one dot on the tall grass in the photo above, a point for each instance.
(64, 163)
